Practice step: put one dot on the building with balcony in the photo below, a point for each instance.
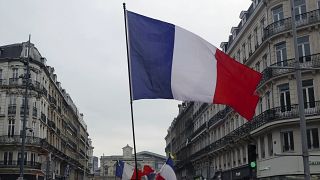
(108, 163)
(57, 136)
(214, 142)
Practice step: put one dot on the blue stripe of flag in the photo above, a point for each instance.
(151, 50)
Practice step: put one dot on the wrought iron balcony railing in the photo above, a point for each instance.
(220, 115)
(34, 112)
(44, 91)
(16, 140)
(310, 61)
(43, 118)
(15, 164)
(22, 110)
(52, 124)
(2, 82)
(52, 100)
(285, 24)
(13, 81)
(271, 115)
(12, 109)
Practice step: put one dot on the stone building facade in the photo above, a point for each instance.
(57, 136)
(108, 163)
(214, 142)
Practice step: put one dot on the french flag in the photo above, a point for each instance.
(124, 171)
(167, 171)
(169, 62)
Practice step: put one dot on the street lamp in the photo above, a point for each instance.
(23, 132)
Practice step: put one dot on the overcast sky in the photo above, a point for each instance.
(85, 42)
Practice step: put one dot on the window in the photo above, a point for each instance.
(23, 103)
(234, 158)
(318, 4)
(304, 49)
(264, 61)
(281, 54)
(277, 13)
(256, 41)
(249, 45)
(300, 8)
(7, 158)
(262, 26)
(287, 141)
(262, 147)
(313, 138)
(232, 125)
(224, 161)
(33, 158)
(229, 158)
(285, 102)
(25, 158)
(239, 157)
(257, 66)
(244, 154)
(11, 123)
(308, 94)
(14, 79)
(227, 128)
(238, 56)
(237, 123)
(12, 100)
(15, 73)
(270, 144)
(243, 52)
(260, 106)
(268, 100)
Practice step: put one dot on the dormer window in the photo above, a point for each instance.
(243, 17)
(234, 32)
(224, 46)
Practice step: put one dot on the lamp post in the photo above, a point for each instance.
(23, 132)
(303, 132)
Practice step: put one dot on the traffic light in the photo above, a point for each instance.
(252, 159)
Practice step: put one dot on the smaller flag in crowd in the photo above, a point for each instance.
(127, 172)
(167, 171)
(148, 173)
(124, 170)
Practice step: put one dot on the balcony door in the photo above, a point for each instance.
(11, 124)
(7, 158)
(308, 94)
(304, 49)
(285, 102)
(281, 54)
(300, 9)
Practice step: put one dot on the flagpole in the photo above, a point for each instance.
(129, 74)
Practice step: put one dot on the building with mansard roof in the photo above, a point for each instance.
(108, 163)
(214, 142)
(57, 136)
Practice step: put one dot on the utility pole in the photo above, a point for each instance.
(23, 132)
(303, 132)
